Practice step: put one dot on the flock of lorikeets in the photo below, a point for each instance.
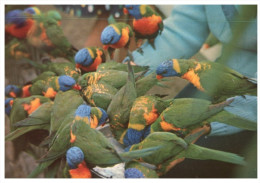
(61, 108)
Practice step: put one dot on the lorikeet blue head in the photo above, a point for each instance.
(32, 11)
(166, 69)
(104, 117)
(133, 173)
(12, 91)
(110, 36)
(74, 156)
(83, 57)
(8, 105)
(67, 82)
(133, 10)
(16, 17)
(83, 111)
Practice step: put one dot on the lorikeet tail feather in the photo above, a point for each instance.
(128, 156)
(20, 131)
(234, 120)
(31, 122)
(202, 153)
(40, 168)
(42, 67)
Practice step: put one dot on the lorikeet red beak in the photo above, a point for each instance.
(125, 11)
(105, 47)
(77, 87)
(159, 77)
(12, 94)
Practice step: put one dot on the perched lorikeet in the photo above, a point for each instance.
(187, 114)
(120, 67)
(175, 149)
(147, 23)
(18, 23)
(52, 85)
(89, 58)
(114, 78)
(47, 35)
(16, 49)
(92, 142)
(76, 163)
(99, 95)
(22, 107)
(116, 35)
(216, 80)
(121, 104)
(135, 169)
(37, 121)
(17, 91)
(8, 105)
(145, 110)
(59, 68)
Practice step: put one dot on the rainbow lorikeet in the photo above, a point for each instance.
(116, 35)
(76, 163)
(8, 105)
(89, 58)
(52, 85)
(37, 121)
(147, 23)
(187, 114)
(135, 169)
(16, 49)
(79, 133)
(21, 109)
(216, 80)
(145, 111)
(47, 35)
(113, 78)
(120, 67)
(99, 95)
(18, 23)
(175, 149)
(121, 104)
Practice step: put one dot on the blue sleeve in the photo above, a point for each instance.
(243, 106)
(183, 35)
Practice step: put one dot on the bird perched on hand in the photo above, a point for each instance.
(147, 23)
(216, 80)
(175, 149)
(116, 35)
(8, 105)
(88, 59)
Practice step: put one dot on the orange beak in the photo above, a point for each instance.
(125, 11)
(78, 66)
(12, 94)
(159, 77)
(77, 87)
